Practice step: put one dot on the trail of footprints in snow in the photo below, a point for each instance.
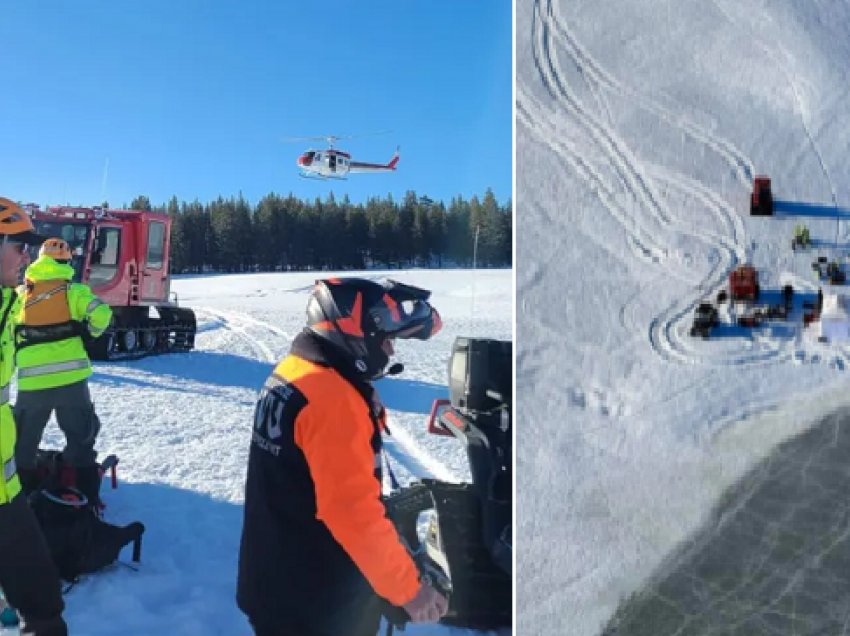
(596, 400)
(837, 361)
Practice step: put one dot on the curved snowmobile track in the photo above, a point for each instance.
(239, 324)
(668, 330)
(741, 164)
(643, 245)
(628, 169)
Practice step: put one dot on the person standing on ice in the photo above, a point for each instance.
(28, 576)
(317, 552)
(53, 366)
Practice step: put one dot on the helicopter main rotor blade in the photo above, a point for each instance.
(334, 138)
(300, 139)
(371, 134)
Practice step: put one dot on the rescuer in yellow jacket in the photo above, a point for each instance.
(28, 576)
(53, 366)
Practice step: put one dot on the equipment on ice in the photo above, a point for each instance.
(468, 548)
(761, 203)
(831, 270)
(801, 238)
(123, 255)
(834, 274)
(744, 284)
(705, 319)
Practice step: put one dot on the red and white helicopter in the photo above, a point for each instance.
(336, 164)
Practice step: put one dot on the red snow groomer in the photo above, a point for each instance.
(124, 256)
(744, 284)
(761, 203)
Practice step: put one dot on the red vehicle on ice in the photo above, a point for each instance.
(744, 283)
(762, 198)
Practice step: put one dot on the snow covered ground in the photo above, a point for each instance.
(181, 424)
(640, 127)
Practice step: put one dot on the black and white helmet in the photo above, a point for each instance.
(358, 315)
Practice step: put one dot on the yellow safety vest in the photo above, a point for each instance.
(10, 484)
(50, 352)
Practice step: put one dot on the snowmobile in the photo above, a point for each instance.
(467, 551)
(705, 319)
(834, 274)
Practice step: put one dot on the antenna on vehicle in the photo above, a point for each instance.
(474, 261)
(103, 183)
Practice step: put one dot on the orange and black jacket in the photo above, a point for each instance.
(316, 539)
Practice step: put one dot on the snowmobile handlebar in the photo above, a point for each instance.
(403, 510)
(429, 574)
(396, 616)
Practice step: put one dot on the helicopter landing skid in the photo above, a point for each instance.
(315, 177)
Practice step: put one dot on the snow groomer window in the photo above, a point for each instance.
(156, 243)
(104, 258)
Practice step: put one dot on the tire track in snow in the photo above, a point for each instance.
(595, 86)
(712, 201)
(236, 324)
(675, 326)
(637, 181)
(642, 244)
(404, 448)
(626, 165)
(665, 329)
(250, 320)
(736, 159)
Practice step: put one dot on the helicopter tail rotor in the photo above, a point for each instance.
(394, 161)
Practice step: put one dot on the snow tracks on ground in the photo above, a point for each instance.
(249, 336)
(581, 133)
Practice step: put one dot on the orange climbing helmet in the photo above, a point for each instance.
(15, 224)
(55, 248)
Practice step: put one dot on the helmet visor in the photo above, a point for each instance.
(406, 319)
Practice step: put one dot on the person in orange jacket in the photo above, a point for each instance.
(317, 552)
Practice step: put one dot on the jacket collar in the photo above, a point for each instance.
(45, 268)
(312, 348)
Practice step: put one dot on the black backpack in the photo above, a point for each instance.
(80, 541)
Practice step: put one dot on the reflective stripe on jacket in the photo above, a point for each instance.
(39, 313)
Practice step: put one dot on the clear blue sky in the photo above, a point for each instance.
(192, 97)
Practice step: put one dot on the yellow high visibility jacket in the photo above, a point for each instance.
(10, 484)
(49, 317)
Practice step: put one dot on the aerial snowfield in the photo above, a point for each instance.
(181, 427)
(669, 484)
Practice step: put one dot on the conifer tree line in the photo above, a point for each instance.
(288, 234)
